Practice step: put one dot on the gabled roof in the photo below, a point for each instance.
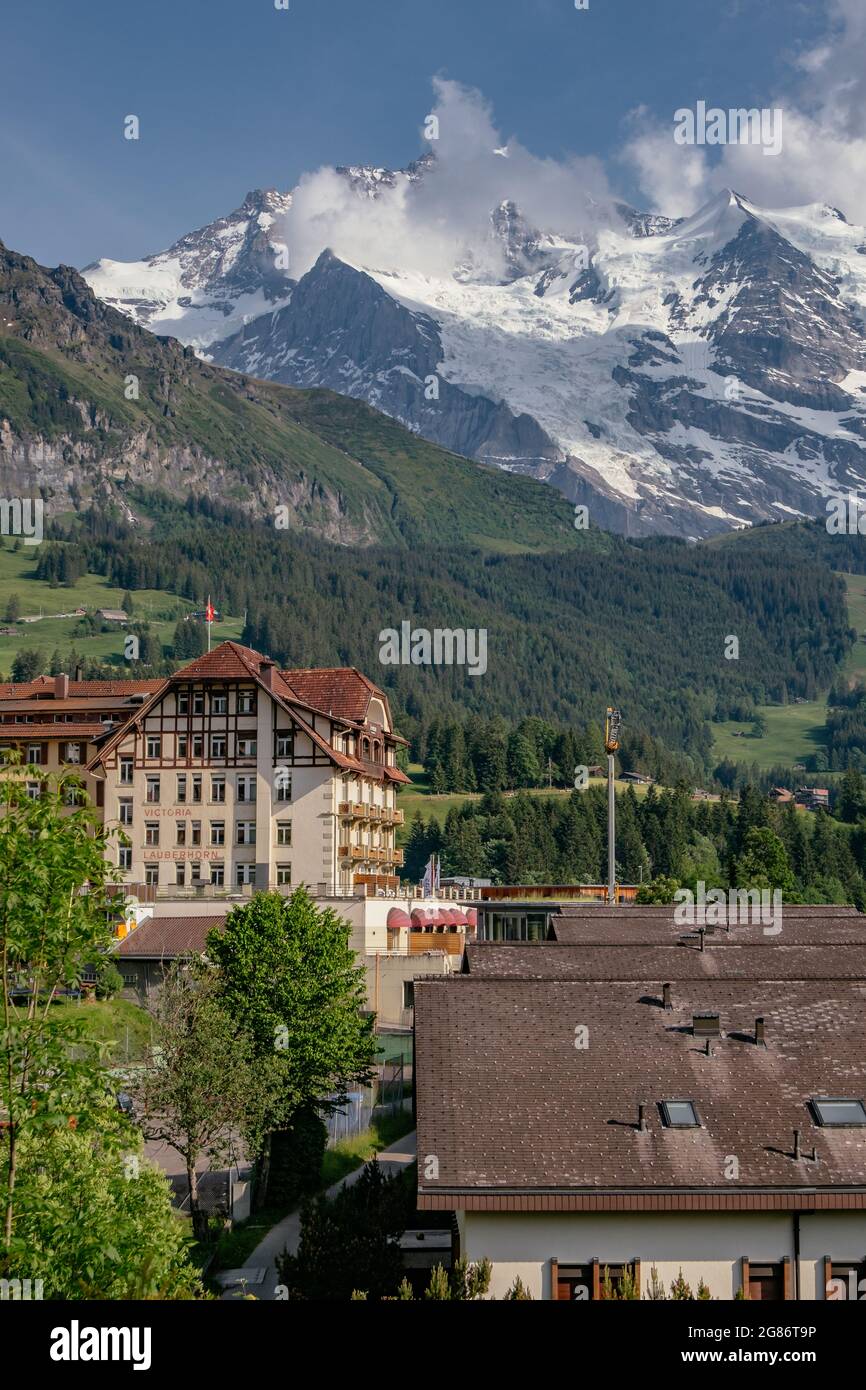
(158, 938)
(229, 661)
(342, 691)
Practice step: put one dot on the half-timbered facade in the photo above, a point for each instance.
(233, 774)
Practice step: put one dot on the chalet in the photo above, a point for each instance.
(637, 1101)
(112, 615)
(813, 798)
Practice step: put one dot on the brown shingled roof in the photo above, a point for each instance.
(163, 938)
(515, 1112)
(341, 690)
(657, 964)
(797, 929)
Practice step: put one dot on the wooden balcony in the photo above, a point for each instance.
(353, 852)
(356, 809)
(375, 813)
(397, 855)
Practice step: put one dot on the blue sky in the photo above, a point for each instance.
(233, 94)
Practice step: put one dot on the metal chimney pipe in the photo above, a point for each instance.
(666, 997)
(641, 1117)
(797, 1150)
(760, 1035)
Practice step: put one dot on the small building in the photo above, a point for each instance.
(813, 798)
(112, 615)
(631, 1106)
(781, 796)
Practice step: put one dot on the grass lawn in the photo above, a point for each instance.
(116, 1021)
(793, 732)
(92, 591)
(855, 666)
(350, 1153)
(418, 797)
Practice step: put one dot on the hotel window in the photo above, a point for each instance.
(218, 787)
(408, 994)
(74, 796)
(195, 874)
(217, 832)
(217, 745)
(182, 745)
(286, 745)
(284, 832)
(247, 747)
(152, 793)
(246, 702)
(246, 832)
(181, 787)
(196, 787)
(151, 832)
(246, 789)
(218, 875)
(154, 746)
(284, 785)
(181, 832)
(125, 810)
(219, 702)
(127, 771)
(183, 702)
(180, 875)
(124, 857)
(198, 702)
(34, 791)
(245, 873)
(34, 753)
(198, 745)
(71, 753)
(195, 832)
(284, 873)
(151, 875)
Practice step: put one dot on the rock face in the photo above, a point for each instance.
(678, 375)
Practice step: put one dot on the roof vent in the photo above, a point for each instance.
(706, 1025)
(666, 997)
(760, 1033)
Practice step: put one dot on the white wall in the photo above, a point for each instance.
(704, 1245)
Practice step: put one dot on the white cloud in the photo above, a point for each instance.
(823, 156)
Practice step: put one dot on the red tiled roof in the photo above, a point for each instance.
(798, 929)
(339, 690)
(158, 938)
(91, 732)
(95, 690)
(229, 661)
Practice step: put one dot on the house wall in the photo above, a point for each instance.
(708, 1246)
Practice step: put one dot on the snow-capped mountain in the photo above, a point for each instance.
(680, 375)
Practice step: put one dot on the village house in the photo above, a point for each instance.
(645, 1099)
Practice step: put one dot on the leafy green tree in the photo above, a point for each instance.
(659, 890)
(13, 609)
(200, 1087)
(290, 982)
(28, 664)
(764, 861)
(82, 1208)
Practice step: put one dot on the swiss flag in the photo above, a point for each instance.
(209, 612)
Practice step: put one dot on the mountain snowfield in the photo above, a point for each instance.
(683, 376)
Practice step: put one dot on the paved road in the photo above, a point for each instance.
(261, 1267)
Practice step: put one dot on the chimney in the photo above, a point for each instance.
(267, 670)
(641, 1117)
(708, 1048)
(61, 687)
(798, 1153)
(701, 931)
(78, 673)
(760, 1035)
(666, 997)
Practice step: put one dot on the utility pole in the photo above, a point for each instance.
(612, 726)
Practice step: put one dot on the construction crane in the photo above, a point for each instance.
(612, 728)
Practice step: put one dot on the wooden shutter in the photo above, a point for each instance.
(554, 1278)
(828, 1272)
(596, 1281)
(745, 1276)
(787, 1279)
(637, 1277)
